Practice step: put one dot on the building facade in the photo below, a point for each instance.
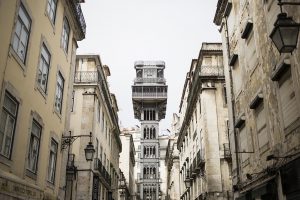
(149, 96)
(202, 141)
(264, 100)
(127, 163)
(37, 62)
(94, 110)
(172, 162)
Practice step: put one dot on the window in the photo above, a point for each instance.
(51, 9)
(44, 68)
(21, 35)
(287, 98)
(52, 161)
(244, 145)
(8, 124)
(261, 128)
(65, 35)
(34, 146)
(59, 92)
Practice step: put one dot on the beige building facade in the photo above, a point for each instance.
(202, 141)
(37, 59)
(127, 163)
(172, 162)
(94, 110)
(264, 100)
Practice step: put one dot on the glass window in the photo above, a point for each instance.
(21, 35)
(65, 35)
(52, 161)
(59, 92)
(44, 68)
(34, 147)
(51, 9)
(8, 124)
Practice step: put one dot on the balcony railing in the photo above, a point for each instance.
(227, 152)
(87, 77)
(211, 71)
(79, 15)
(150, 80)
(200, 158)
(101, 169)
(149, 94)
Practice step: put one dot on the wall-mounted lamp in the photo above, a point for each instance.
(89, 149)
(187, 180)
(285, 32)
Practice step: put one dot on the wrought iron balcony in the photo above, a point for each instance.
(200, 159)
(87, 77)
(76, 8)
(149, 95)
(101, 169)
(227, 152)
(149, 80)
(211, 71)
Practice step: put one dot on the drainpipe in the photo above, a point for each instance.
(232, 101)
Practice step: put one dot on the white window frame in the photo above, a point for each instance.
(7, 138)
(52, 161)
(21, 33)
(51, 10)
(59, 92)
(65, 35)
(34, 147)
(44, 68)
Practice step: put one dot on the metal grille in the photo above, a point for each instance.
(211, 71)
(87, 77)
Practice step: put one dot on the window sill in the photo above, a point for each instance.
(30, 174)
(17, 59)
(50, 185)
(44, 95)
(5, 161)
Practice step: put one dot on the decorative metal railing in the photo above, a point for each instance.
(211, 70)
(79, 15)
(150, 94)
(87, 77)
(201, 157)
(150, 80)
(101, 169)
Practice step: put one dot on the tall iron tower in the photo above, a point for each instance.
(149, 98)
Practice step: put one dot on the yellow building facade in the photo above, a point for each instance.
(37, 61)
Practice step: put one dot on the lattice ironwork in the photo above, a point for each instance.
(211, 70)
(87, 77)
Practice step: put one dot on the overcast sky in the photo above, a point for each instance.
(123, 31)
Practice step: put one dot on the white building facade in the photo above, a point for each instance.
(202, 141)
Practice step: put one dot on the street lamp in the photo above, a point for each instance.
(285, 32)
(187, 180)
(89, 150)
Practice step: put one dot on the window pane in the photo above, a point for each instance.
(10, 105)
(24, 17)
(52, 161)
(34, 147)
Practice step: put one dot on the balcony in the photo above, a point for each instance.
(200, 159)
(149, 80)
(87, 77)
(227, 152)
(77, 12)
(211, 71)
(101, 169)
(149, 95)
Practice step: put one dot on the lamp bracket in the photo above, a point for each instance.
(68, 140)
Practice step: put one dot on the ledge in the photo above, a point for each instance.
(247, 29)
(233, 59)
(240, 121)
(280, 69)
(256, 101)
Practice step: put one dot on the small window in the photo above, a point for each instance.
(65, 35)
(52, 161)
(59, 93)
(51, 9)
(34, 147)
(44, 68)
(21, 35)
(8, 124)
